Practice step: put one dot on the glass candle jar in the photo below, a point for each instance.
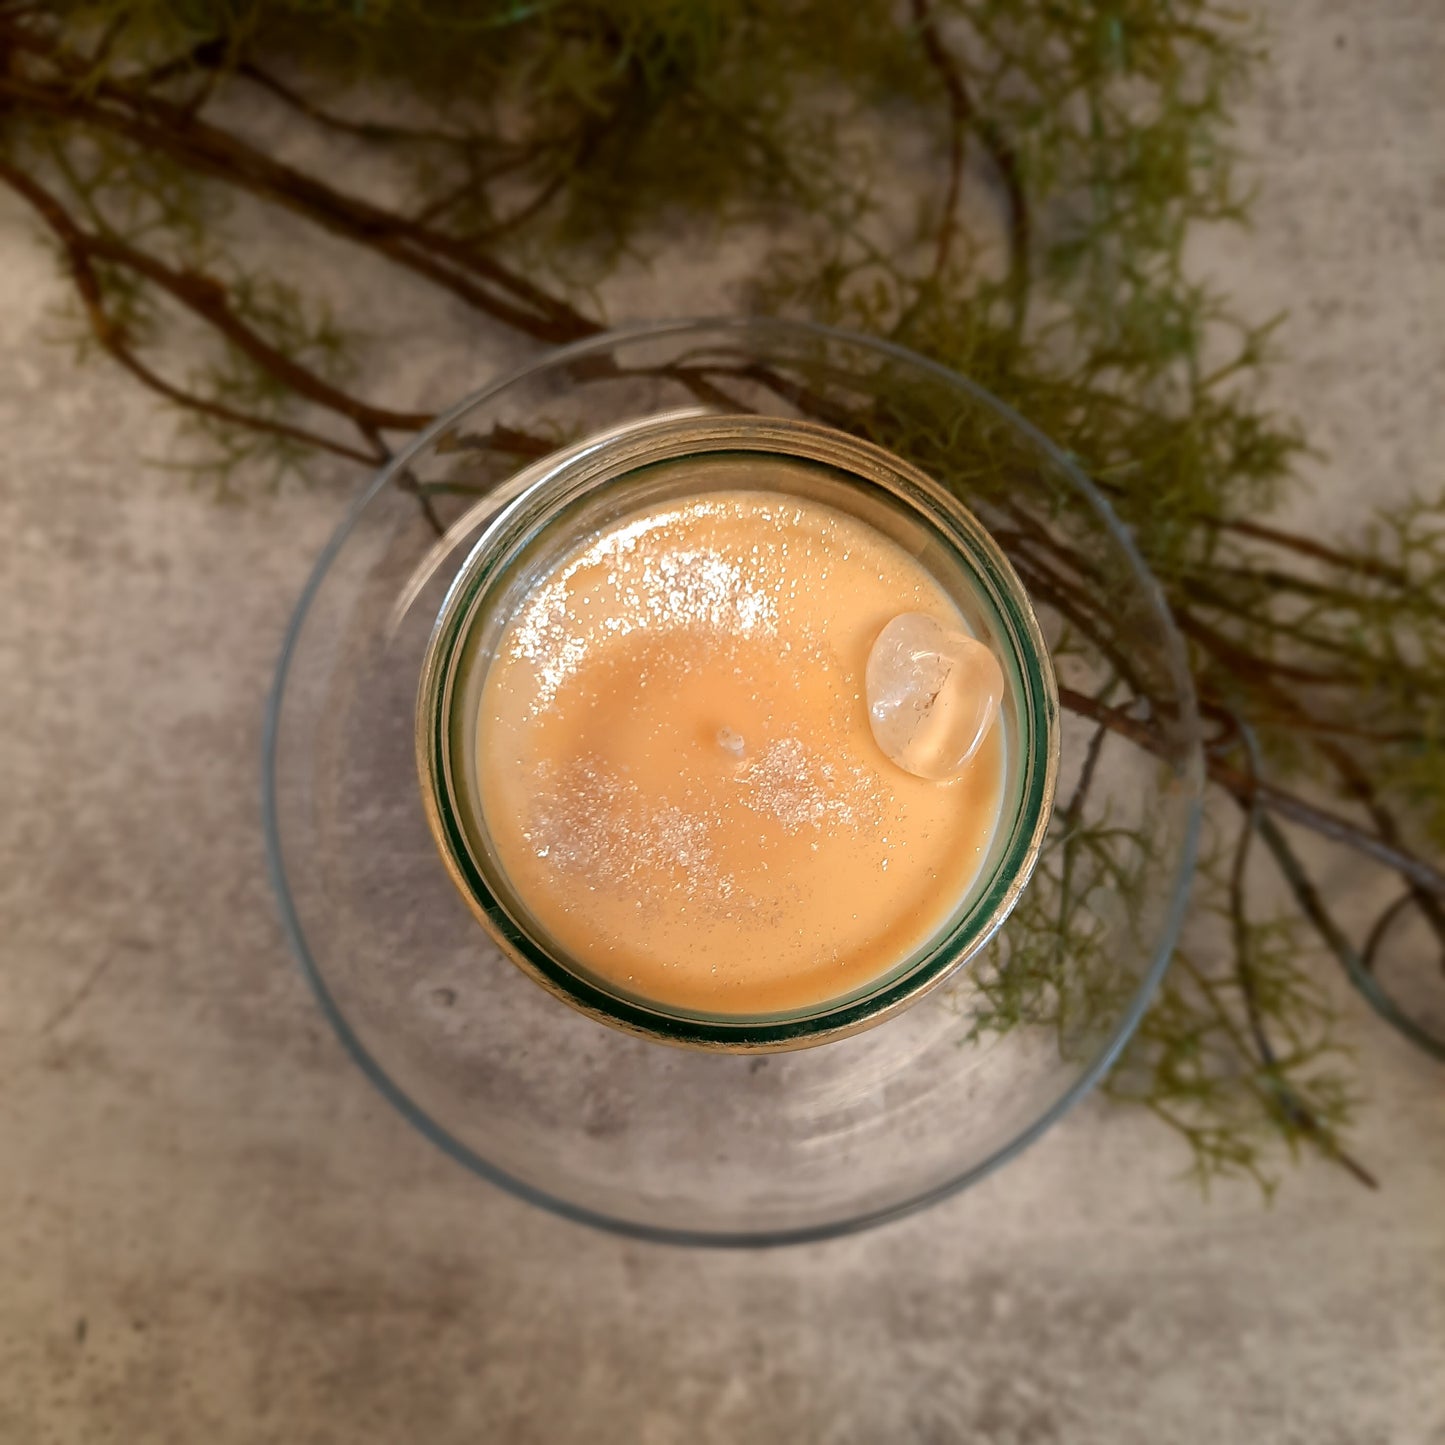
(590, 485)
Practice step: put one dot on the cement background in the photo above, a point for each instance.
(211, 1229)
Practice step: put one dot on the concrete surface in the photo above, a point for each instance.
(211, 1230)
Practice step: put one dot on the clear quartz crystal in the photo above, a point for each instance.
(933, 693)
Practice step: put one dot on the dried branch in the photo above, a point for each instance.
(81, 255)
(1268, 795)
(1312, 906)
(462, 268)
(964, 117)
(207, 298)
(960, 111)
(1299, 1114)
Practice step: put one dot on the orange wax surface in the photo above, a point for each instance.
(676, 765)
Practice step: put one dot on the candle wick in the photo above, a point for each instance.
(730, 741)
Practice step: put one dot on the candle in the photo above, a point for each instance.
(736, 731)
(681, 773)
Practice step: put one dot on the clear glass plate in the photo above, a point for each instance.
(702, 1147)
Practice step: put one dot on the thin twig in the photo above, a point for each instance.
(361, 129)
(1358, 784)
(111, 337)
(1381, 927)
(458, 266)
(1086, 775)
(1271, 797)
(1307, 897)
(960, 110)
(1283, 1096)
(964, 116)
(406, 481)
(1308, 547)
(200, 294)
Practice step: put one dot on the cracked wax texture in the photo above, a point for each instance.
(211, 1229)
